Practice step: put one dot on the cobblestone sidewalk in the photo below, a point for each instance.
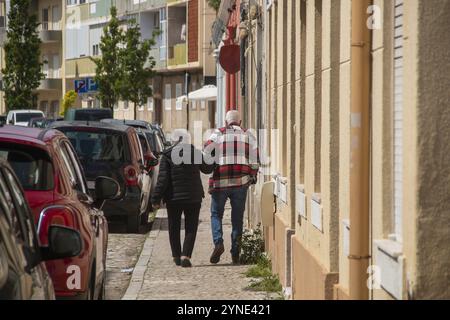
(156, 276)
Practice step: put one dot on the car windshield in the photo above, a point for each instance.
(25, 117)
(97, 146)
(32, 166)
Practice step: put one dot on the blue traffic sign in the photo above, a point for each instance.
(85, 85)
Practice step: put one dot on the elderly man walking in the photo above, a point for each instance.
(235, 153)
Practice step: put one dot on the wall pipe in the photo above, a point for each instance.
(359, 256)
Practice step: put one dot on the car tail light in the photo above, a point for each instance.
(56, 215)
(131, 176)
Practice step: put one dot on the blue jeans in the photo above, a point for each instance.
(237, 198)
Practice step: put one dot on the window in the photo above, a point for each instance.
(21, 208)
(18, 212)
(32, 166)
(70, 169)
(178, 95)
(168, 97)
(79, 172)
(95, 50)
(11, 211)
(126, 105)
(194, 103)
(163, 34)
(150, 104)
(93, 8)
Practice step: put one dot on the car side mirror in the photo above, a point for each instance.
(106, 189)
(150, 161)
(63, 243)
(11, 122)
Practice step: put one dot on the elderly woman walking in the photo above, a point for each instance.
(180, 187)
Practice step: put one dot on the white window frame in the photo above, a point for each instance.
(168, 97)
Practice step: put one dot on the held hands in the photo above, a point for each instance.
(156, 206)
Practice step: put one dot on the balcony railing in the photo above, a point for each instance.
(177, 55)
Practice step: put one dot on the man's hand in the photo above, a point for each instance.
(156, 206)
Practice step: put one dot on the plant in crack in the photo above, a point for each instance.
(252, 246)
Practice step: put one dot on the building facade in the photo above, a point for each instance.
(71, 31)
(353, 95)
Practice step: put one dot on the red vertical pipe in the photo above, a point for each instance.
(233, 96)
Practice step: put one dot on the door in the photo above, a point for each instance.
(98, 219)
(158, 112)
(56, 17)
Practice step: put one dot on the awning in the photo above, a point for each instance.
(207, 93)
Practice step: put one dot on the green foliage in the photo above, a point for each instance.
(23, 69)
(252, 245)
(215, 4)
(137, 66)
(69, 99)
(108, 68)
(125, 65)
(261, 270)
(269, 283)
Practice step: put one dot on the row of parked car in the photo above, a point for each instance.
(59, 188)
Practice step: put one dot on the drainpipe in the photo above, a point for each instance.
(359, 256)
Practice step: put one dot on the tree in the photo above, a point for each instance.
(137, 65)
(69, 99)
(215, 4)
(23, 69)
(109, 71)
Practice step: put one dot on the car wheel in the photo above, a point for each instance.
(133, 223)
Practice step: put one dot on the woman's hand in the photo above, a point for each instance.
(156, 206)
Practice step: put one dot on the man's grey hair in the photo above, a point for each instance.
(233, 117)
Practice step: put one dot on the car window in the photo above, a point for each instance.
(98, 146)
(78, 170)
(144, 143)
(140, 153)
(32, 166)
(76, 183)
(25, 117)
(19, 211)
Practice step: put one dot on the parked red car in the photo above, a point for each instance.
(56, 190)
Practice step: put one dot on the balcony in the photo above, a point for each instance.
(50, 32)
(159, 63)
(50, 84)
(177, 55)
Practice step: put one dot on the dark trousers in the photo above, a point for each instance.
(191, 216)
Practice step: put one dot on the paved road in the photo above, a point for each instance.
(123, 253)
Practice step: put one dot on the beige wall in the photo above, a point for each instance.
(308, 98)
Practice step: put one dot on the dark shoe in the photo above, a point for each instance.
(236, 260)
(218, 251)
(186, 263)
(177, 261)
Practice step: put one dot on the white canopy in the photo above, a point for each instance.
(207, 93)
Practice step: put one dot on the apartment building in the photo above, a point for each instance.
(182, 53)
(50, 15)
(71, 31)
(357, 92)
